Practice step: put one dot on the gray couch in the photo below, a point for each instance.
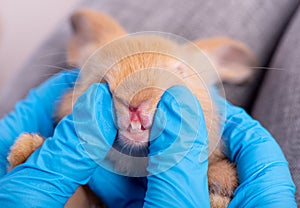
(271, 28)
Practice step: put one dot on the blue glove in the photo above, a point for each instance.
(66, 160)
(177, 160)
(117, 190)
(264, 176)
(38, 108)
(263, 171)
(34, 114)
(178, 157)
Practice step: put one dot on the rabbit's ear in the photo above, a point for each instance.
(232, 58)
(91, 30)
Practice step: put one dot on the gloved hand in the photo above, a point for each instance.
(264, 176)
(34, 114)
(240, 140)
(178, 156)
(177, 160)
(66, 160)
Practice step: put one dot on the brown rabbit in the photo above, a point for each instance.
(93, 30)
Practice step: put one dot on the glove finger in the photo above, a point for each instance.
(117, 190)
(180, 121)
(93, 117)
(178, 156)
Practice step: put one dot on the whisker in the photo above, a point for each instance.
(52, 70)
(192, 75)
(123, 147)
(144, 150)
(50, 66)
(49, 75)
(271, 68)
(53, 54)
(64, 62)
(130, 150)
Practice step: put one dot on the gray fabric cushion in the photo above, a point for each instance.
(278, 103)
(258, 23)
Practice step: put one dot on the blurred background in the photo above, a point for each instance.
(24, 25)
